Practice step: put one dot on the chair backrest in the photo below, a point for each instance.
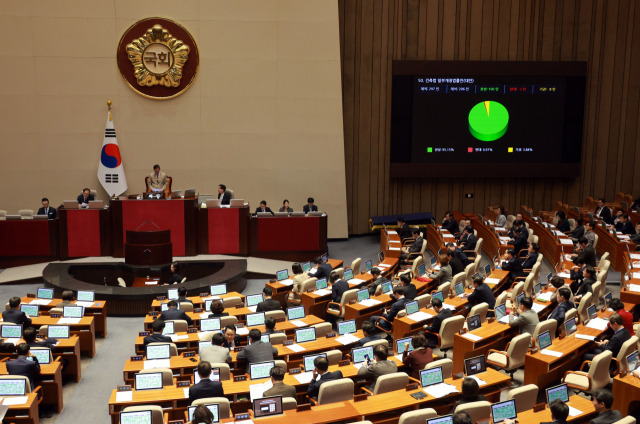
(423, 300)
(18, 377)
(529, 282)
(525, 397)
(56, 310)
(604, 257)
(460, 277)
(478, 248)
(225, 371)
(25, 213)
(627, 348)
(186, 306)
(322, 329)
(309, 283)
(502, 298)
(180, 325)
(445, 288)
(599, 371)
(469, 270)
(476, 264)
(626, 420)
(424, 247)
(231, 301)
(517, 290)
(390, 382)
(281, 364)
(595, 296)
(547, 325)
(334, 356)
(173, 350)
(446, 364)
(157, 414)
(224, 407)
(571, 313)
(595, 240)
(381, 342)
(3, 215)
(417, 417)
(228, 320)
(415, 264)
(167, 374)
(289, 403)
(355, 266)
(518, 348)
(348, 296)
(274, 314)
(183, 280)
(340, 272)
(479, 411)
(585, 302)
(277, 338)
(450, 326)
(480, 308)
(231, 193)
(336, 391)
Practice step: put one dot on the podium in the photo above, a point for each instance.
(146, 248)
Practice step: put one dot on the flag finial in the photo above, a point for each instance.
(109, 105)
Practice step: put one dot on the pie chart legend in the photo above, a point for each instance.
(488, 120)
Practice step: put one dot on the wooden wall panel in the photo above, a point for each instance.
(605, 33)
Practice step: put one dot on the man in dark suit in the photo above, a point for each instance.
(436, 323)
(625, 226)
(455, 263)
(602, 402)
(377, 280)
(205, 388)
(30, 337)
(458, 254)
(157, 337)
(322, 270)
(263, 207)
(338, 286)
(415, 247)
(620, 335)
(410, 291)
(257, 351)
(15, 315)
(224, 195)
(481, 293)
(449, 223)
(586, 284)
(310, 207)
(603, 211)
(390, 314)
(29, 368)
(182, 295)
(173, 313)
(47, 210)
(564, 305)
(559, 413)
(532, 257)
(512, 264)
(520, 241)
(270, 326)
(85, 197)
(403, 229)
(278, 387)
(470, 241)
(585, 252)
(231, 339)
(370, 335)
(378, 367)
(321, 376)
(268, 304)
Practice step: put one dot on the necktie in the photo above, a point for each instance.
(46, 211)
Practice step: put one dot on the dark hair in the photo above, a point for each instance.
(255, 335)
(527, 302)
(535, 247)
(604, 396)
(511, 252)
(268, 291)
(230, 327)
(448, 213)
(321, 363)
(174, 265)
(296, 268)
(469, 388)
(222, 186)
(285, 201)
(318, 260)
(67, 295)
(277, 373)
(368, 328)
(615, 318)
(566, 293)
(29, 335)
(616, 304)
(400, 219)
(310, 200)
(468, 229)
(602, 199)
(478, 280)
(263, 202)
(501, 209)
(450, 253)
(583, 240)
(451, 245)
(156, 166)
(462, 417)
(334, 276)
(14, 302)
(44, 199)
(157, 325)
(172, 304)
(444, 260)
(217, 339)
(398, 289)
(559, 410)
(202, 414)
(418, 340)
(217, 307)
(592, 224)
(86, 189)
(204, 369)
(579, 221)
(270, 323)
(436, 303)
(557, 282)
(375, 271)
(23, 349)
(405, 278)
(625, 216)
(561, 215)
(416, 231)
(182, 291)
(590, 270)
(381, 352)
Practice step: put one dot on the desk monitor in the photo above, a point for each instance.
(347, 327)
(306, 266)
(537, 289)
(12, 387)
(11, 331)
(519, 298)
(348, 274)
(570, 326)
(592, 311)
(210, 324)
(148, 381)
(202, 345)
(267, 406)
(213, 203)
(500, 311)
(438, 295)
(362, 295)
(254, 299)
(433, 261)
(57, 331)
(549, 277)
(280, 213)
(282, 275)
(135, 417)
(158, 351)
(264, 338)
(214, 376)
(72, 311)
(358, 354)
(218, 289)
(387, 287)
(607, 298)
(459, 288)
(444, 419)
(43, 293)
(207, 305)
(487, 270)
(325, 258)
(168, 328)
(176, 194)
(475, 365)
(400, 345)
(368, 266)
(422, 270)
(321, 284)
(506, 410)
(96, 204)
(431, 376)
(557, 392)
(380, 256)
(473, 322)
(172, 294)
(86, 296)
(43, 355)
(255, 319)
(165, 306)
(297, 312)
(632, 361)
(307, 334)
(236, 202)
(259, 370)
(307, 360)
(190, 192)
(544, 340)
(412, 307)
(30, 310)
(213, 407)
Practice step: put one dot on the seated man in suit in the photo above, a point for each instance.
(278, 387)
(532, 257)
(449, 223)
(205, 388)
(442, 313)
(563, 223)
(410, 291)
(603, 401)
(85, 197)
(29, 368)
(458, 254)
(415, 247)
(47, 210)
(257, 351)
(585, 252)
(377, 280)
(481, 293)
(564, 305)
(231, 338)
(321, 376)
(457, 266)
(614, 343)
(285, 207)
(215, 353)
(224, 195)
(524, 318)
(263, 207)
(370, 335)
(512, 264)
(559, 413)
(603, 211)
(338, 286)
(270, 326)
(310, 207)
(390, 314)
(520, 241)
(377, 367)
(158, 181)
(470, 240)
(173, 313)
(30, 336)
(586, 284)
(403, 229)
(635, 238)
(322, 269)
(268, 304)
(15, 315)
(516, 222)
(625, 226)
(67, 299)
(577, 232)
(182, 295)
(157, 326)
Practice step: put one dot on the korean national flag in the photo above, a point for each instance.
(110, 169)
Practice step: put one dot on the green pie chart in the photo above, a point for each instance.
(488, 120)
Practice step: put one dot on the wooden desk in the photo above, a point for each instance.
(390, 243)
(98, 311)
(281, 291)
(625, 390)
(51, 382)
(404, 326)
(85, 330)
(578, 402)
(170, 397)
(493, 335)
(617, 249)
(26, 413)
(84, 232)
(491, 242)
(68, 349)
(289, 238)
(223, 231)
(198, 302)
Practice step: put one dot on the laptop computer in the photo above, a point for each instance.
(348, 274)
(259, 370)
(506, 410)
(306, 266)
(190, 192)
(487, 270)
(412, 307)
(307, 360)
(544, 340)
(86, 296)
(473, 322)
(459, 288)
(570, 326)
(135, 417)
(592, 311)
(209, 324)
(607, 298)
(632, 361)
(96, 204)
(500, 311)
(362, 295)
(176, 194)
(57, 331)
(253, 299)
(325, 258)
(203, 344)
(368, 266)
(72, 312)
(43, 355)
(537, 289)
(282, 275)
(400, 343)
(549, 276)
(359, 354)
(213, 407)
(168, 328)
(255, 319)
(422, 270)
(380, 256)
(165, 306)
(267, 407)
(30, 310)
(438, 295)
(159, 351)
(431, 376)
(557, 392)
(296, 312)
(212, 203)
(11, 387)
(475, 365)
(307, 334)
(218, 289)
(236, 202)
(11, 331)
(70, 204)
(433, 261)
(347, 327)
(172, 294)
(43, 293)
(148, 381)
(443, 419)
(519, 298)
(321, 284)
(387, 287)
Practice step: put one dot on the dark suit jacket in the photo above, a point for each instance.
(323, 271)
(314, 386)
(410, 291)
(184, 299)
(463, 258)
(588, 254)
(605, 214)
(559, 312)
(520, 242)
(281, 389)
(397, 306)
(367, 339)
(404, 232)
(222, 314)
(29, 369)
(53, 214)
(338, 289)
(585, 287)
(305, 209)
(236, 342)
(258, 352)
(482, 294)
(175, 279)
(436, 323)
(451, 226)
(157, 338)
(225, 198)
(530, 261)
(607, 417)
(564, 226)
(48, 343)
(174, 314)
(205, 389)
(267, 209)
(416, 246)
(17, 317)
(268, 305)
(514, 267)
(374, 286)
(471, 243)
(457, 266)
(627, 228)
(81, 199)
(615, 343)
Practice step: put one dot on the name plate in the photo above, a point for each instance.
(330, 335)
(240, 305)
(192, 330)
(183, 384)
(55, 315)
(136, 358)
(538, 407)
(204, 294)
(189, 354)
(295, 371)
(303, 407)
(238, 349)
(31, 295)
(281, 319)
(143, 333)
(124, 388)
(287, 343)
(153, 313)
(162, 297)
(412, 386)
(361, 397)
(242, 377)
(239, 325)
(242, 416)
(197, 310)
(344, 363)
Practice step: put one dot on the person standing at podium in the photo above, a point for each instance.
(157, 180)
(47, 210)
(224, 195)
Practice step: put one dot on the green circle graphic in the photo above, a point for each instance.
(488, 120)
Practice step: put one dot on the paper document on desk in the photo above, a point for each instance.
(505, 319)
(304, 377)
(204, 299)
(124, 396)
(204, 315)
(382, 266)
(573, 412)
(84, 304)
(634, 287)
(564, 275)
(296, 348)
(585, 337)
(480, 381)
(567, 257)
(392, 232)
(256, 391)
(312, 271)
(394, 248)
(298, 323)
(419, 316)
(15, 400)
(370, 302)
(471, 336)
(395, 241)
(150, 283)
(545, 296)
(185, 392)
(176, 337)
(566, 241)
(252, 308)
(40, 302)
(287, 282)
(436, 268)
(322, 292)
(504, 238)
(242, 331)
(492, 280)
(450, 307)
(440, 390)
(551, 353)
(558, 233)
(398, 357)
(598, 324)
(355, 281)
(347, 339)
(538, 307)
(69, 320)
(634, 255)
(636, 275)
(157, 363)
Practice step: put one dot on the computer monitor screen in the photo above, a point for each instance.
(438, 295)
(433, 261)
(359, 354)
(387, 286)
(500, 311)
(135, 417)
(210, 324)
(282, 275)
(400, 345)
(308, 361)
(632, 361)
(297, 312)
(422, 269)
(459, 288)
(321, 284)
(592, 311)
(260, 370)
(148, 381)
(10, 331)
(30, 310)
(348, 274)
(473, 322)
(519, 298)
(57, 331)
(368, 265)
(253, 299)
(537, 288)
(168, 328)
(557, 392)
(159, 351)
(218, 289)
(307, 334)
(86, 296)
(431, 376)
(165, 306)
(172, 294)
(214, 376)
(412, 307)
(444, 419)
(213, 407)
(203, 344)
(207, 304)
(504, 411)
(43, 293)
(267, 406)
(347, 327)
(380, 256)
(363, 295)
(72, 311)
(255, 319)
(570, 326)
(264, 338)
(544, 340)
(43, 355)
(306, 266)
(475, 365)
(608, 297)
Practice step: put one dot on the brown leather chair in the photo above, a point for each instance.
(167, 191)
